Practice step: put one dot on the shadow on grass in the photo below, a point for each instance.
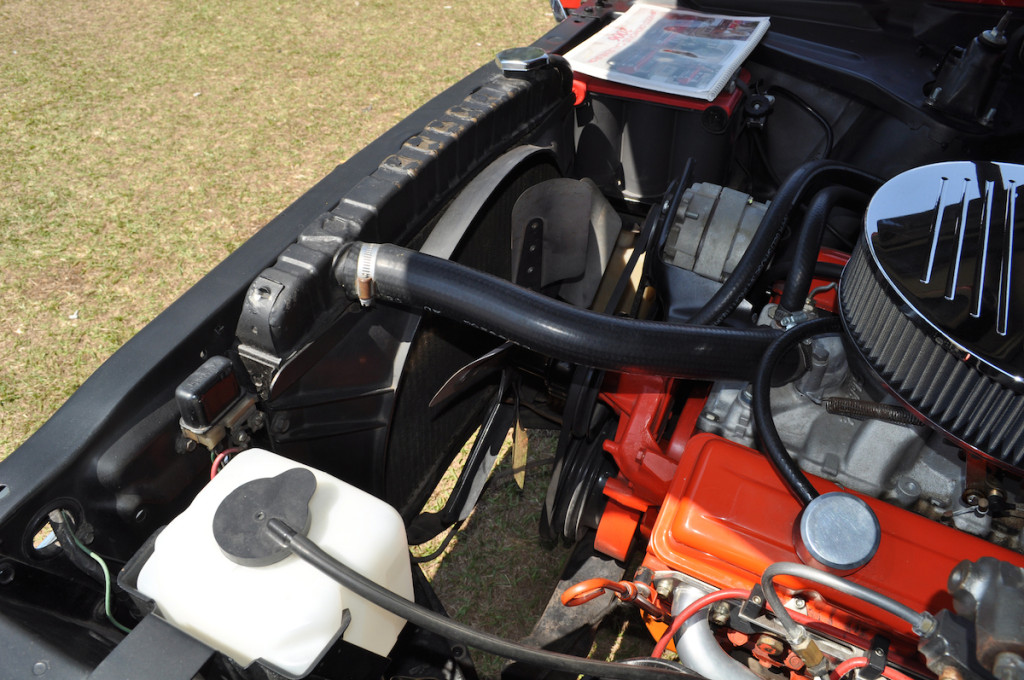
(497, 575)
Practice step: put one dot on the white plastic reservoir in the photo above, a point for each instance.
(286, 614)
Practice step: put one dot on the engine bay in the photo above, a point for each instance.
(778, 336)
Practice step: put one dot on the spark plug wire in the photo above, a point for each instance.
(691, 611)
(862, 661)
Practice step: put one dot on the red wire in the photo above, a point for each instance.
(847, 666)
(862, 661)
(893, 674)
(215, 468)
(691, 610)
(216, 463)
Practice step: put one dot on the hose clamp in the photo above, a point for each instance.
(366, 266)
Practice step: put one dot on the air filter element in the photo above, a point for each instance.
(934, 300)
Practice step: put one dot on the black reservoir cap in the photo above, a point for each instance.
(240, 523)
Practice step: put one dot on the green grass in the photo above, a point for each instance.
(142, 143)
(497, 575)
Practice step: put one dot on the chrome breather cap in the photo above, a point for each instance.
(839, 532)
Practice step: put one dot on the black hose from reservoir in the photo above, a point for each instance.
(784, 464)
(420, 616)
(806, 178)
(808, 241)
(547, 326)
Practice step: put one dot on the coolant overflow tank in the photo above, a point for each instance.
(284, 614)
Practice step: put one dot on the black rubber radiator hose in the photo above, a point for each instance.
(806, 178)
(808, 241)
(545, 325)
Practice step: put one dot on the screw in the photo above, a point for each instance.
(281, 424)
(720, 612)
(141, 516)
(663, 586)
(184, 445)
(40, 667)
(1008, 666)
(756, 599)
(6, 573)
(799, 603)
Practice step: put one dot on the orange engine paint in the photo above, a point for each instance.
(727, 516)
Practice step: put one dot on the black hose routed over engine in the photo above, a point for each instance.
(805, 179)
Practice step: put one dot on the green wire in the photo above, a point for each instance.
(106, 573)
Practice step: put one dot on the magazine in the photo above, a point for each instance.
(671, 50)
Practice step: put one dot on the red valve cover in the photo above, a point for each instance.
(727, 516)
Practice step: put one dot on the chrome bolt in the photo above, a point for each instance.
(720, 613)
(1008, 666)
(663, 586)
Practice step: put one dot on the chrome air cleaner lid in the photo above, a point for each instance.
(934, 299)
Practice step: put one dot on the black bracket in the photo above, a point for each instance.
(878, 657)
(752, 607)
